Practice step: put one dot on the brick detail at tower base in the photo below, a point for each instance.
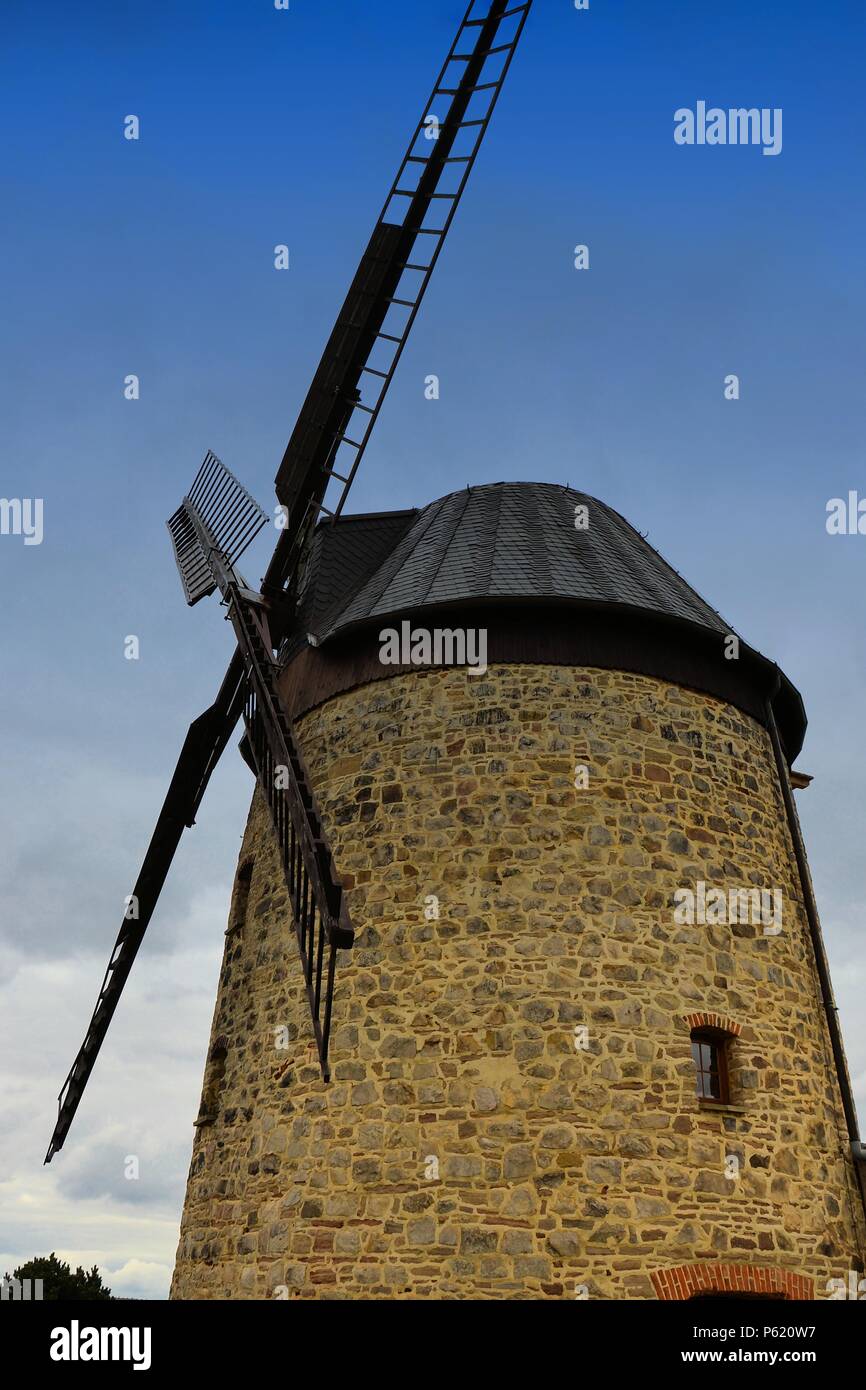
(687, 1281)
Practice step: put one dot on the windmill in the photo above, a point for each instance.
(218, 519)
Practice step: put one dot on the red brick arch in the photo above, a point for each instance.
(684, 1281)
(713, 1020)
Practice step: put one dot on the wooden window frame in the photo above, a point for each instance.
(719, 1041)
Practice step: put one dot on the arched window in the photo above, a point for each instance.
(712, 1036)
(710, 1056)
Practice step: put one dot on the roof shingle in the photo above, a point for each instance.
(500, 541)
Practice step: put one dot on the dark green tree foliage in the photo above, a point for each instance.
(60, 1282)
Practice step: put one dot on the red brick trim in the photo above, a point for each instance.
(711, 1020)
(684, 1281)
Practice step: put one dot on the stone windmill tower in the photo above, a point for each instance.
(555, 1074)
(523, 993)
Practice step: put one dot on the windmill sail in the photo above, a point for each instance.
(362, 353)
(202, 748)
(234, 519)
(217, 520)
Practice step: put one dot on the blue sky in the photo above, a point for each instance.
(156, 257)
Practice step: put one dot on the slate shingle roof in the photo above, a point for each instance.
(501, 541)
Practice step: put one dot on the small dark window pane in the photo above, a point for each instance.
(711, 1079)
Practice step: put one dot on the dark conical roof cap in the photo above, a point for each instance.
(507, 542)
(519, 540)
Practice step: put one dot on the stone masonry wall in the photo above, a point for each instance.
(473, 1143)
